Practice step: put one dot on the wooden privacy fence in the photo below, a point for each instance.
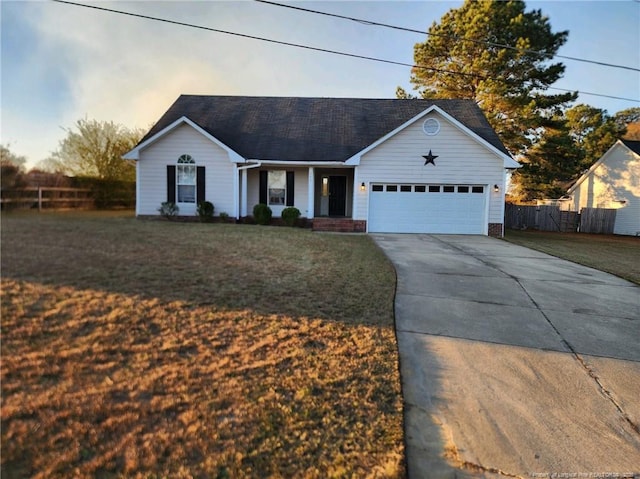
(46, 197)
(520, 217)
(597, 220)
(543, 218)
(551, 218)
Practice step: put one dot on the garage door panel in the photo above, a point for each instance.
(427, 212)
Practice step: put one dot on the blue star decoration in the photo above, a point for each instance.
(430, 157)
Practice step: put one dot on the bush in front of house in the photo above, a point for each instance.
(205, 211)
(169, 209)
(262, 214)
(290, 215)
(224, 217)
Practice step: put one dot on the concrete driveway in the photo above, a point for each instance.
(514, 363)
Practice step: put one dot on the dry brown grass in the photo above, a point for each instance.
(156, 349)
(615, 254)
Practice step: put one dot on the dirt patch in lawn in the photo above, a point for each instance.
(615, 254)
(150, 349)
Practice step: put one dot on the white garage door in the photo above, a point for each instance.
(448, 209)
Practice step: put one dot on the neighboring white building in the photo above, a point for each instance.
(613, 182)
(419, 166)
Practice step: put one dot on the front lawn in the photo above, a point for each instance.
(160, 349)
(616, 254)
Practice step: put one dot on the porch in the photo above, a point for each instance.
(324, 194)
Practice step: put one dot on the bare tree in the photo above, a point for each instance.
(95, 148)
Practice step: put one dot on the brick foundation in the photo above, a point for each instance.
(339, 225)
(495, 230)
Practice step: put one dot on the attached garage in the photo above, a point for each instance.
(433, 175)
(428, 208)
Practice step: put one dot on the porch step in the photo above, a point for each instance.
(339, 225)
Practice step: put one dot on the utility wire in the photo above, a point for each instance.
(450, 37)
(269, 40)
(307, 47)
(594, 94)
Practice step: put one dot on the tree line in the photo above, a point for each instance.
(502, 56)
(91, 149)
(496, 53)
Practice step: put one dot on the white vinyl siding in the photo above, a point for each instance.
(152, 171)
(461, 160)
(300, 190)
(614, 181)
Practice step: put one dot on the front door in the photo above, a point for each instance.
(337, 195)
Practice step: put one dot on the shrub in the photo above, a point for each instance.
(290, 215)
(205, 211)
(224, 217)
(262, 214)
(108, 193)
(169, 209)
(10, 176)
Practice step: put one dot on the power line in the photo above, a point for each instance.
(594, 94)
(450, 37)
(269, 40)
(307, 47)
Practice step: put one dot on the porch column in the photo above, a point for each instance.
(243, 194)
(236, 193)
(356, 192)
(311, 199)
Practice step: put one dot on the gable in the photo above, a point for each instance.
(181, 140)
(180, 123)
(310, 129)
(457, 156)
(618, 164)
(155, 161)
(446, 124)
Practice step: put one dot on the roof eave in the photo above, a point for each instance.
(299, 162)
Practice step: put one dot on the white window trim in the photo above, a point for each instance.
(183, 161)
(284, 196)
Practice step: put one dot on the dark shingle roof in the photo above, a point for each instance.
(632, 145)
(310, 129)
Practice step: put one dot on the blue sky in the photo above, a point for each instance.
(61, 63)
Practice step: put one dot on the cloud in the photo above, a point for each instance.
(99, 65)
(86, 63)
(125, 69)
(61, 63)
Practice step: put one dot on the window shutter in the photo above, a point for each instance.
(290, 187)
(200, 185)
(263, 187)
(171, 183)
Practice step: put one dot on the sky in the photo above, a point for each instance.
(61, 63)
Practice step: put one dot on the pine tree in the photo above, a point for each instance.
(473, 43)
(550, 164)
(593, 131)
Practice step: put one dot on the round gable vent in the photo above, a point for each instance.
(431, 126)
